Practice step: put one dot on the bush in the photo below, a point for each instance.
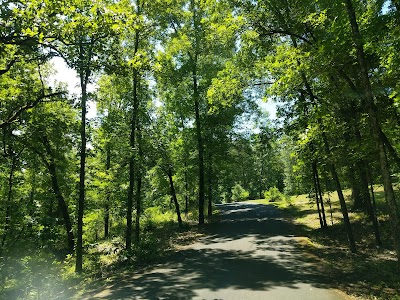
(239, 193)
(273, 194)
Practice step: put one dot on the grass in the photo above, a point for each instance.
(41, 274)
(372, 272)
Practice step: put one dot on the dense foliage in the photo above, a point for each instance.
(179, 126)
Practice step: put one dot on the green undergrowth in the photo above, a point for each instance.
(371, 273)
(49, 274)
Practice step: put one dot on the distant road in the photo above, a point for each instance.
(252, 253)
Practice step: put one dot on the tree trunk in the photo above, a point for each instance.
(343, 206)
(196, 100)
(52, 168)
(31, 204)
(7, 219)
(368, 203)
(394, 215)
(200, 145)
(129, 204)
(186, 190)
(107, 204)
(321, 200)
(389, 147)
(210, 190)
(62, 205)
(347, 225)
(358, 201)
(173, 196)
(138, 195)
(84, 74)
(364, 179)
(314, 168)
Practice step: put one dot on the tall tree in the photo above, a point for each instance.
(374, 123)
(87, 30)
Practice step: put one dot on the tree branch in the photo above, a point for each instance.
(269, 32)
(8, 67)
(13, 116)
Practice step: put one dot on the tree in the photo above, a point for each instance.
(374, 123)
(87, 29)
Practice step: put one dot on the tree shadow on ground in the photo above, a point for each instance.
(371, 272)
(219, 261)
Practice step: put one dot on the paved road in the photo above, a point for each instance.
(251, 254)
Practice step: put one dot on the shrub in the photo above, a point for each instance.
(239, 193)
(273, 194)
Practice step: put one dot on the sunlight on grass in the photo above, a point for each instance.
(372, 271)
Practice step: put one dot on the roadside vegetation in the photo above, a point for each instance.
(371, 273)
(176, 90)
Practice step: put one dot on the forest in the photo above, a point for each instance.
(179, 126)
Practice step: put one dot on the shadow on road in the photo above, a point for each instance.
(250, 248)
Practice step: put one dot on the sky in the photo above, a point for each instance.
(70, 77)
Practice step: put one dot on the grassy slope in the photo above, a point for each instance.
(369, 274)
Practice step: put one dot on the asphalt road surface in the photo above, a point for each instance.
(252, 253)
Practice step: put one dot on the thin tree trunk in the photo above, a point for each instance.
(196, 100)
(185, 175)
(321, 200)
(138, 195)
(107, 204)
(358, 201)
(346, 220)
(394, 215)
(369, 205)
(371, 183)
(138, 209)
(349, 232)
(186, 190)
(364, 179)
(200, 146)
(84, 74)
(339, 191)
(173, 196)
(31, 204)
(52, 168)
(314, 169)
(210, 190)
(7, 219)
(389, 147)
(129, 204)
(62, 204)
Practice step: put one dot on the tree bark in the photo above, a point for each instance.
(343, 206)
(186, 190)
(185, 174)
(358, 201)
(321, 200)
(138, 194)
(107, 204)
(314, 168)
(394, 215)
(129, 204)
(331, 165)
(7, 219)
(196, 100)
(173, 196)
(389, 147)
(369, 204)
(210, 189)
(31, 204)
(200, 147)
(84, 74)
(51, 166)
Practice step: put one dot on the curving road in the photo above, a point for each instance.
(252, 253)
